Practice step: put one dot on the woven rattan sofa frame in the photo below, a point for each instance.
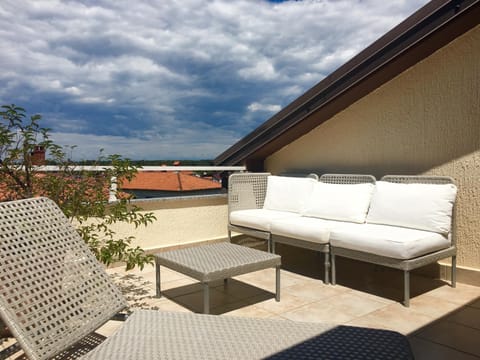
(247, 191)
(254, 187)
(410, 264)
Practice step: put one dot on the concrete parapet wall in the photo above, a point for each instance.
(180, 221)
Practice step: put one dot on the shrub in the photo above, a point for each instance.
(83, 195)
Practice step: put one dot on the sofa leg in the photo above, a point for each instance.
(271, 246)
(327, 267)
(230, 235)
(334, 271)
(454, 271)
(406, 290)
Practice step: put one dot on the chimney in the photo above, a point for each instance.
(38, 155)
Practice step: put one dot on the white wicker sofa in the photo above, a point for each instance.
(402, 222)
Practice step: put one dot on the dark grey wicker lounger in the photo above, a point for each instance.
(54, 294)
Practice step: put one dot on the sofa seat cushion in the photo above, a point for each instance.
(302, 228)
(384, 240)
(259, 219)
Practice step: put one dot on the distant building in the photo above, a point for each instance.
(38, 156)
(152, 184)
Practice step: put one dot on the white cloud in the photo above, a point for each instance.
(260, 70)
(264, 107)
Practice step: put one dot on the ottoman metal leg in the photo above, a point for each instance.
(333, 269)
(454, 271)
(277, 283)
(327, 267)
(406, 288)
(157, 276)
(206, 299)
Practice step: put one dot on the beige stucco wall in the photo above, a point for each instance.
(424, 121)
(179, 222)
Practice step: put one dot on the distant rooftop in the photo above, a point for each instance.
(170, 181)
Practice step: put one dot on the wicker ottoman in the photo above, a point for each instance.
(217, 261)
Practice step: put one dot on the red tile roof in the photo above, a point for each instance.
(7, 194)
(169, 181)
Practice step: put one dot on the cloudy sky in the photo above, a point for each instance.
(175, 79)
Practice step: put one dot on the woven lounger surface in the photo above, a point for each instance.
(165, 335)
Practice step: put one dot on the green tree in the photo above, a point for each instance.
(83, 195)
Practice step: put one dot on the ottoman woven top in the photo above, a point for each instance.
(217, 261)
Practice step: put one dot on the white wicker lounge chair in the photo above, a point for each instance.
(406, 264)
(54, 294)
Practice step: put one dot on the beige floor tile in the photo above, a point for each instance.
(251, 311)
(169, 305)
(316, 312)
(462, 294)
(339, 309)
(179, 283)
(432, 306)
(231, 307)
(259, 275)
(426, 350)
(301, 276)
(138, 292)
(172, 289)
(265, 279)
(168, 275)
(18, 355)
(315, 290)
(150, 302)
(456, 336)
(109, 328)
(5, 343)
(194, 301)
(394, 317)
(367, 295)
(288, 302)
(277, 317)
(475, 303)
(241, 290)
(468, 316)
(150, 276)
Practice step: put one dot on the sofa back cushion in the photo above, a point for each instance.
(287, 193)
(344, 202)
(418, 206)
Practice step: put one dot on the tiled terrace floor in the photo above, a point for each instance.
(441, 322)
